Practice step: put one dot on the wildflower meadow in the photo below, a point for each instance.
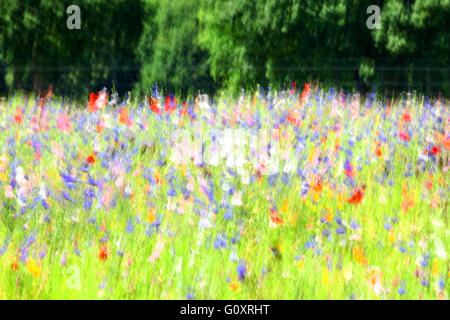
(275, 194)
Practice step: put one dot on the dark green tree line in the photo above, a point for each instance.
(209, 44)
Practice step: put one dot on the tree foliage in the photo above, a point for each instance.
(209, 44)
(169, 50)
(40, 49)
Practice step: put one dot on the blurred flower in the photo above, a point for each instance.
(241, 270)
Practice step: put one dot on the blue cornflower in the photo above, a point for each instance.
(241, 270)
(68, 179)
(424, 282)
(351, 143)
(424, 262)
(310, 245)
(171, 193)
(44, 204)
(228, 215)
(340, 230)
(130, 227)
(219, 243)
(42, 254)
(87, 204)
(190, 295)
(148, 232)
(66, 196)
(354, 225)
(387, 226)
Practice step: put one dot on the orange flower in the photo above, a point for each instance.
(378, 151)
(309, 226)
(99, 127)
(317, 186)
(18, 115)
(391, 236)
(446, 143)
(151, 215)
(407, 204)
(375, 281)
(14, 266)
(157, 178)
(358, 255)
(435, 269)
(328, 216)
(103, 255)
(429, 184)
(408, 199)
(234, 285)
(275, 219)
(124, 116)
(285, 206)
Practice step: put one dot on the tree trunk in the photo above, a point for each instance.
(2, 78)
(38, 78)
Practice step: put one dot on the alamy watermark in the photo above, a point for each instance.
(74, 20)
(237, 149)
(374, 21)
(73, 281)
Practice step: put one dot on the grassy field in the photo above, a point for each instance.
(103, 200)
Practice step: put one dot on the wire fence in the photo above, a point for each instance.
(424, 74)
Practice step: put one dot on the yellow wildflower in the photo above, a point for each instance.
(33, 267)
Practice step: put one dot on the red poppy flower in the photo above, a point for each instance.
(304, 93)
(435, 150)
(406, 117)
(275, 218)
(91, 159)
(183, 111)
(103, 255)
(404, 136)
(293, 88)
(348, 169)
(429, 184)
(170, 104)
(378, 152)
(154, 105)
(357, 196)
(92, 107)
